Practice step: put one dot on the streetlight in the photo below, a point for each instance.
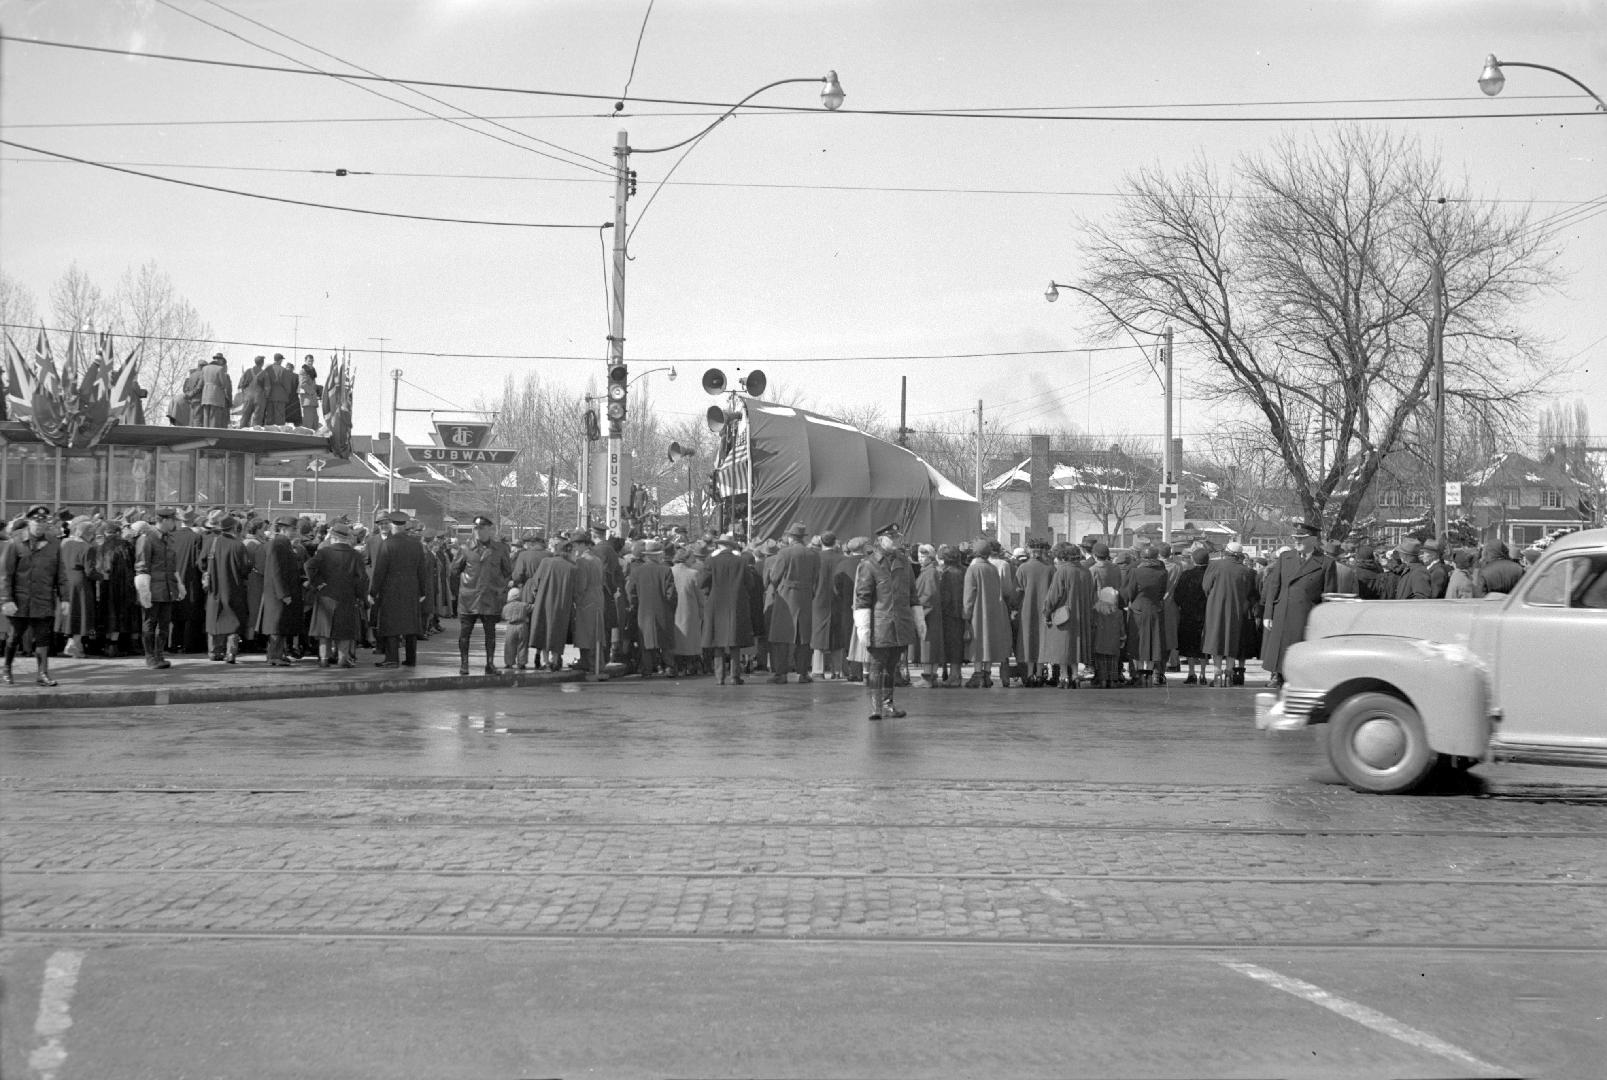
(831, 97)
(1168, 490)
(1491, 79)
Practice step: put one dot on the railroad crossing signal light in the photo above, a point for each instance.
(618, 379)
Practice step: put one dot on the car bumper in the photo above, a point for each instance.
(1288, 711)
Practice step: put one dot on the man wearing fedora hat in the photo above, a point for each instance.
(217, 395)
(33, 589)
(1294, 585)
(790, 577)
(650, 593)
(251, 388)
(725, 581)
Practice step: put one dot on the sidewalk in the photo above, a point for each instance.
(97, 683)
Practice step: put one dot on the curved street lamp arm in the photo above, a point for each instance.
(723, 117)
(1132, 331)
(1601, 106)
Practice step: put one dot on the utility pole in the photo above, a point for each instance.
(1437, 283)
(903, 410)
(382, 340)
(979, 455)
(1168, 470)
(390, 455)
(616, 332)
(295, 331)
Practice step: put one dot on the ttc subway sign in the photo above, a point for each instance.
(451, 455)
(462, 436)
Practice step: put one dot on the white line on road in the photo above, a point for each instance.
(1361, 1014)
(61, 976)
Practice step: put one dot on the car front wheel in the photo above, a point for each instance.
(1376, 742)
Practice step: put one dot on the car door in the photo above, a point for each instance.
(1551, 660)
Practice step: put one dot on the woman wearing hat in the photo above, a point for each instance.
(338, 580)
(688, 613)
(78, 554)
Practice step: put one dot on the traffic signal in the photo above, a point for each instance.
(618, 378)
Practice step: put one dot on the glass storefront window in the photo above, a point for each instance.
(175, 477)
(133, 476)
(83, 479)
(237, 479)
(30, 475)
(211, 478)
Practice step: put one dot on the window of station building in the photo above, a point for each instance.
(212, 477)
(30, 477)
(175, 477)
(133, 476)
(83, 478)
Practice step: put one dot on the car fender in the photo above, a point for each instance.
(1448, 685)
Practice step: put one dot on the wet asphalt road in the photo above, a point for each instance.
(674, 878)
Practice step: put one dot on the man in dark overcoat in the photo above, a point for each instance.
(483, 569)
(1413, 582)
(226, 576)
(33, 589)
(1294, 585)
(790, 577)
(279, 618)
(728, 609)
(833, 601)
(158, 584)
(278, 383)
(551, 596)
(652, 596)
(398, 585)
(189, 614)
(250, 389)
(1231, 594)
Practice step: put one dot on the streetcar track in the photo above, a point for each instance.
(1014, 877)
(20, 934)
(16, 825)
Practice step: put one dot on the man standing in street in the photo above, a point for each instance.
(280, 617)
(1439, 575)
(828, 634)
(483, 569)
(884, 586)
(251, 394)
(1294, 585)
(225, 575)
(727, 607)
(159, 584)
(790, 577)
(33, 590)
(398, 586)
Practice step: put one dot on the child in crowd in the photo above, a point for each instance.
(1110, 634)
(516, 616)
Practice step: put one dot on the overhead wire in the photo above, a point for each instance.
(353, 81)
(625, 94)
(295, 202)
(917, 113)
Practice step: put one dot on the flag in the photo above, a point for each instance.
(731, 474)
(511, 480)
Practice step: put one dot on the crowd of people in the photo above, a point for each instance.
(267, 394)
(873, 610)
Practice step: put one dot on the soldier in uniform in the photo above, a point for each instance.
(33, 589)
(483, 569)
(1294, 585)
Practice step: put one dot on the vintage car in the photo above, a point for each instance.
(1409, 686)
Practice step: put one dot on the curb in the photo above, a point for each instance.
(198, 695)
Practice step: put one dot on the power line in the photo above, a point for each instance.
(292, 202)
(640, 34)
(927, 113)
(587, 163)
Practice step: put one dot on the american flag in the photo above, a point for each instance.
(731, 474)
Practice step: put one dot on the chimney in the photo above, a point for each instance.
(1039, 470)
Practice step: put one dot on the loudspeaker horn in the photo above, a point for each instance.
(677, 451)
(715, 418)
(755, 383)
(714, 381)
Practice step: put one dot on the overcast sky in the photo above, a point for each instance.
(783, 236)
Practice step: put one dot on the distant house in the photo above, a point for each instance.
(1061, 495)
(325, 487)
(1520, 500)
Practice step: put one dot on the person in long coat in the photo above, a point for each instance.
(829, 634)
(278, 384)
(929, 616)
(790, 577)
(397, 585)
(308, 392)
(1032, 579)
(482, 568)
(883, 587)
(551, 596)
(1146, 601)
(1294, 586)
(78, 556)
(33, 589)
(854, 654)
(188, 633)
(1070, 644)
(1189, 596)
(652, 596)
(117, 601)
(985, 611)
(338, 580)
(726, 582)
(217, 394)
(1368, 574)
(688, 651)
(589, 585)
(226, 577)
(1232, 595)
(279, 619)
(951, 589)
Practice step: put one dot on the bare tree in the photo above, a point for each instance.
(76, 302)
(1242, 479)
(17, 310)
(1562, 424)
(1305, 282)
(1112, 482)
(172, 335)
